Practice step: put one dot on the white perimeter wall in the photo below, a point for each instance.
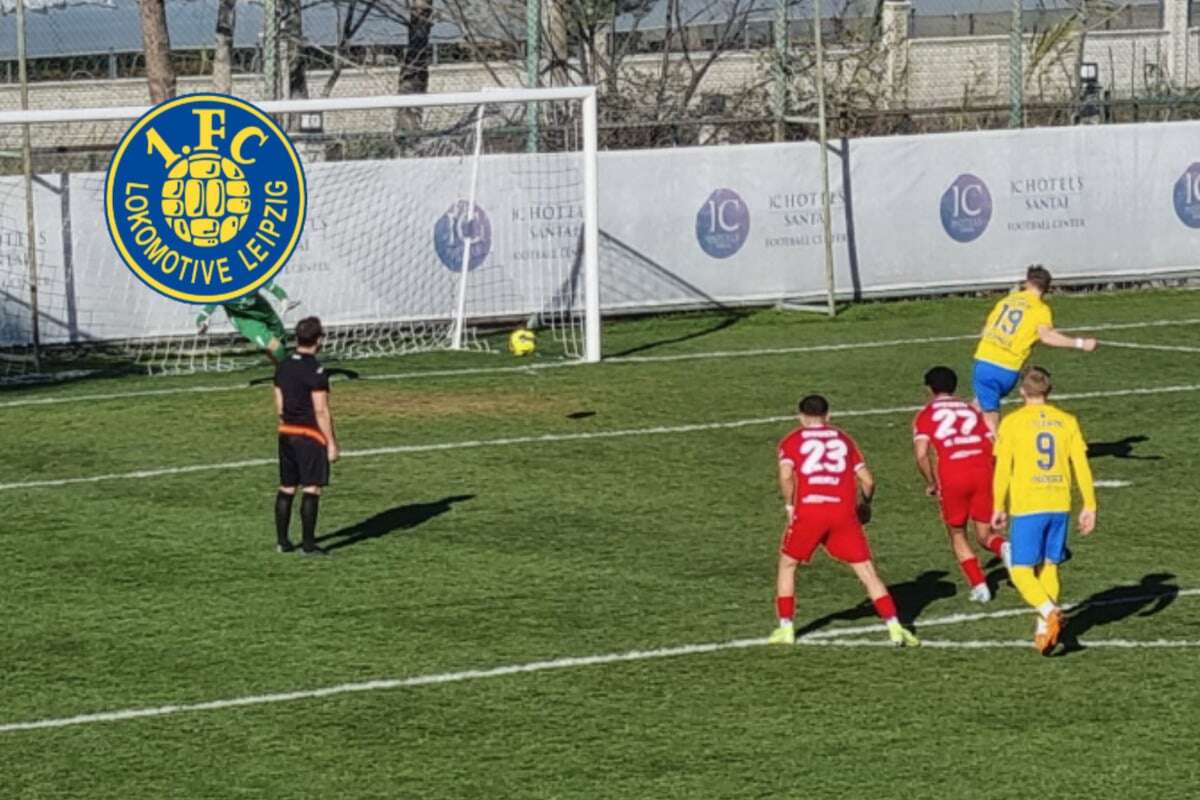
(679, 227)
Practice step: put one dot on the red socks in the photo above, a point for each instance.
(785, 607)
(970, 568)
(885, 607)
(994, 543)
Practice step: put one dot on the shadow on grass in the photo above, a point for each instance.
(400, 518)
(912, 598)
(1144, 599)
(1120, 449)
(642, 273)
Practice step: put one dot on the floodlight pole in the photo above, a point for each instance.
(533, 66)
(1016, 68)
(271, 49)
(27, 168)
(780, 71)
(823, 143)
(826, 216)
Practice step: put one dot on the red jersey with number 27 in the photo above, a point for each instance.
(826, 461)
(959, 435)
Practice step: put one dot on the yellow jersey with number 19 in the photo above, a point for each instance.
(1036, 447)
(1012, 330)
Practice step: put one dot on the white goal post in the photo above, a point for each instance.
(432, 223)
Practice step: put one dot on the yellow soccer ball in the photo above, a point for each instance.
(522, 342)
(206, 199)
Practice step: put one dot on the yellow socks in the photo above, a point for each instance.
(1033, 588)
(1048, 577)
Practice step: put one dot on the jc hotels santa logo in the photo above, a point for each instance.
(205, 198)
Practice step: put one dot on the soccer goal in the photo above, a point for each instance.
(433, 222)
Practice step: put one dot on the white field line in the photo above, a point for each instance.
(829, 638)
(1111, 484)
(1173, 348)
(1023, 644)
(533, 368)
(546, 438)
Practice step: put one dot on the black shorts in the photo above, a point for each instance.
(303, 461)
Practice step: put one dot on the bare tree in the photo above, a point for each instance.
(351, 14)
(291, 24)
(417, 17)
(418, 53)
(606, 43)
(223, 46)
(156, 42)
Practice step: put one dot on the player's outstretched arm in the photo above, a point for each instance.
(1049, 335)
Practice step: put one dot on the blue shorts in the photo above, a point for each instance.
(1039, 537)
(992, 383)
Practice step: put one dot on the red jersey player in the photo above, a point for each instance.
(963, 444)
(821, 476)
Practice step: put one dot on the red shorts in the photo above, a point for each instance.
(841, 533)
(966, 496)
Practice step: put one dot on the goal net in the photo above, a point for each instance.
(433, 222)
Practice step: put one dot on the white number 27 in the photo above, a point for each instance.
(954, 422)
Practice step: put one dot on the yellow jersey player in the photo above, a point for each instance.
(1036, 449)
(1016, 324)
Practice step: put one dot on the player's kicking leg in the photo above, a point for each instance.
(992, 384)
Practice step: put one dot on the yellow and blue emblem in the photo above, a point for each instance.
(205, 198)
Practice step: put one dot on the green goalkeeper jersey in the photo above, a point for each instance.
(251, 308)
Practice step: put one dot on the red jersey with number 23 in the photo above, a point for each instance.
(959, 436)
(825, 460)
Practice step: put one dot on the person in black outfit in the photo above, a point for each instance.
(307, 445)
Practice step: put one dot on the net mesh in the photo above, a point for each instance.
(389, 229)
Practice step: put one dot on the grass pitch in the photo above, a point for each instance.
(635, 511)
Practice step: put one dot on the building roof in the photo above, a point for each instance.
(91, 27)
(104, 26)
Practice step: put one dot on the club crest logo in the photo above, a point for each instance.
(205, 198)
(723, 223)
(1187, 196)
(966, 208)
(455, 230)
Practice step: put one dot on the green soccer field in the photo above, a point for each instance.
(556, 583)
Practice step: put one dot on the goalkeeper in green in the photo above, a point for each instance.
(255, 317)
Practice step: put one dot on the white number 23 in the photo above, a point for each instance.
(822, 456)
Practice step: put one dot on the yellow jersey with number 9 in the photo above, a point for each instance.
(1036, 447)
(1012, 330)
